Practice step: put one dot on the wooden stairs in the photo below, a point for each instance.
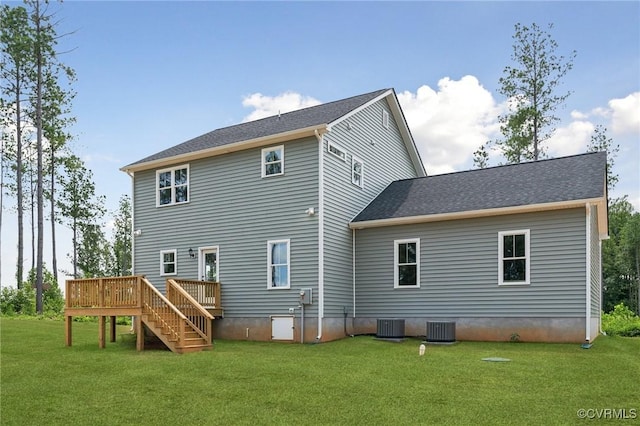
(190, 341)
(178, 319)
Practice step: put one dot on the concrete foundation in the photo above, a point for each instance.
(495, 329)
(259, 329)
(558, 330)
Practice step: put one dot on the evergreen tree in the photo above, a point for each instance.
(79, 206)
(16, 43)
(531, 89)
(122, 238)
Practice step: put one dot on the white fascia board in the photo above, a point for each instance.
(224, 149)
(412, 149)
(472, 214)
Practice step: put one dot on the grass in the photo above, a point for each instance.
(353, 381)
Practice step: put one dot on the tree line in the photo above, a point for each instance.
(38, 167)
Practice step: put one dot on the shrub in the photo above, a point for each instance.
(621, 322)
(23, 301)
(18, 301)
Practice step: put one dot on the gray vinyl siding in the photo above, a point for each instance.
(459, 269)
(385, 159)
(231, 206)
(595, 279)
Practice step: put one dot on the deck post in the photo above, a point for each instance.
(101, 324)
(67, 329)
(112, 321)
(139, 333)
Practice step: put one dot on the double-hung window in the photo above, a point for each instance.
(278, 264)
(406, 263)
(273, 161)
(357, 172)
(168, 262)
(513, 257)
(172, 186)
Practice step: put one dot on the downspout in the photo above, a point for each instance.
(133, 242)
(600, 286)
(353, 267)
(588, 275)
(320, 234)
(133, 237)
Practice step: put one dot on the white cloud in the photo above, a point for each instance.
(625, 114)
(266, 106)
(449, 124)
(577, 115)
(571, 139)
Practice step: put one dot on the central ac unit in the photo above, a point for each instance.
(390, 328)
(441, 331)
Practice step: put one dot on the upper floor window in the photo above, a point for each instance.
(278, 264)
(513, 257)
(357, 172)
(172, 186)
(385, 119)
(337, 151)
(273, 161)
(407, 263)
(168, 262)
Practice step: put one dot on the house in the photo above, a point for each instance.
(321, 221)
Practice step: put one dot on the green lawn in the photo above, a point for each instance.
(353, 381)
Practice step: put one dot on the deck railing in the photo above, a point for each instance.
(196, 315)
(113, 292)
(206, 293)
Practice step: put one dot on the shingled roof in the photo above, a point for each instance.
(578, 177)
(300, 119)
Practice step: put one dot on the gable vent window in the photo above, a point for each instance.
(172, 186)
(337, 151)
(385, 119)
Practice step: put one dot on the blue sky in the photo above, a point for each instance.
(154, 74)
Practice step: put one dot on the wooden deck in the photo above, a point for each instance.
(182, 319)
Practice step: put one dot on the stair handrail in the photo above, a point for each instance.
(177, 333)
(189, 297)
(206, 334)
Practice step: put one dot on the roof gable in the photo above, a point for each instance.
(287, 124)
(574, 178)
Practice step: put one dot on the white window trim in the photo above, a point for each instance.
(175, 261)
(527, 256)
(353, 160)
(269, 244)
(385, 119)
(396, 243)
(342, 157)
(173, 187)
(263, 164)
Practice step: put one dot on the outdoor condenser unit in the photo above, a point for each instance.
(390, 328)
(441, 331)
